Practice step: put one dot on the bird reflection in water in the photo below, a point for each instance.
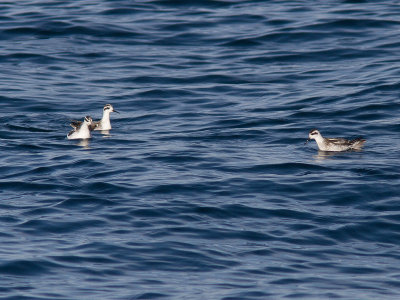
(105, 133)
(324, 155)
(84, 143)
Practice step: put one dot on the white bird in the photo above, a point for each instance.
(103, 124)
(334, 144)
(82, 131)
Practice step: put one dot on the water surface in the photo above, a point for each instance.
(203, 189)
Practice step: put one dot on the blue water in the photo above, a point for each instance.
(204, 188)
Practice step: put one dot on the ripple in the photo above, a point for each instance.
(26, 268)
(203, 188)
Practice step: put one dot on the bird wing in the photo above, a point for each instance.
(339, 141)
(75, 124)
(358, 140)
(344, 142)
(94, 125)
(71, 132)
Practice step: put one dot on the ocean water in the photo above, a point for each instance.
(204, 188)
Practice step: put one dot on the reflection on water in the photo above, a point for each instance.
(84, 143)
(105, 133)
(323, 155)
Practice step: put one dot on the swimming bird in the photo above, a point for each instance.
(82, 131)
(103, 124)
(334, 144)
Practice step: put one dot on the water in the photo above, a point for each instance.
(203, 189)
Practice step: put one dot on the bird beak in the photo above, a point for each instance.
(307, 141)
(116, 111)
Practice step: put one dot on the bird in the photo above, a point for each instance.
(103, 124)
(82, 131)
(334, 144)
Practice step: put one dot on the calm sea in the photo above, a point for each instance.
(204, 188)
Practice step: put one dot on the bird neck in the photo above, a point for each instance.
(105, 120)
(320, 141)
(106, 115)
